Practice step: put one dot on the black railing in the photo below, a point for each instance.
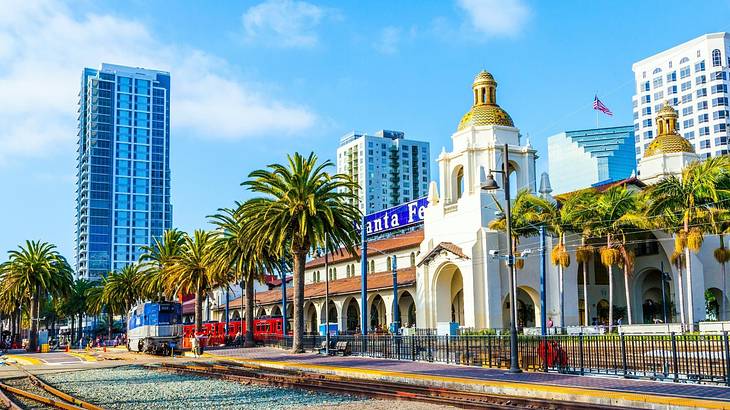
(673, 357)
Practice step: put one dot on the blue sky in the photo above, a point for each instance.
(253, 81)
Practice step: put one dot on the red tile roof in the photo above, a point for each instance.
(376, 281)
(448, 246)
(407, 240)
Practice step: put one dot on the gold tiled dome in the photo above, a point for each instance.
(485, 115)
(485, 110)
(667, 140)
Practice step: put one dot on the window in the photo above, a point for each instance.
(124, 84)
(388, 265)
(645, 99)
(684, 60)
(720, 101)
(689, 135)
(686, 85)
(646, 122)
(705, 144)
(413, 259)
(716, 58)
(658, 82)
(701, 92)
(648, 134)
(372, 266)
(702, 79)
(672, 76)
(719, 88)
(687, 111)
(717, 115)
(702, 118)
(658, 95)
(721, 140)
(688, 124)
(657, 71)
(646, 111)
(719, 128)
(646, 86)
(686, 98)
(704, 131)
(636, 115)
(684, 72)
(700, 66)
(702, 105)
(720, 75)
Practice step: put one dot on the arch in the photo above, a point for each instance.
(333, 316)
(347, 271)
(648, 287)
(657, 71)
(716, 58)
(527, 308)
(514, 173)
(449, 288)
(684, 60)
(388, 264)
(413, 259)
(459, 181)
(276, 310)
(713, 303)
(407, 308)
(372, 266)
(261, 311)
(352, 316)
(310, 318)
(378, 315)
(236, 316)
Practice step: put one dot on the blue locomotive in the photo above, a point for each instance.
(155, 327)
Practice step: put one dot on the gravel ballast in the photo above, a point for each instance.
(135, 387)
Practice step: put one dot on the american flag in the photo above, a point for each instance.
(598, 105)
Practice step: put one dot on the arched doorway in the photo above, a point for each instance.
(276, 311)
(236, 316)
(449, 295)
(526, 312)
(650, 289)
(260, 312)
(407, 307)
(378, 317)
(352, 312)
(713, 303)
(310, 318)
(332, 313)
(602, 311)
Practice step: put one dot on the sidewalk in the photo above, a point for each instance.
(607, 391)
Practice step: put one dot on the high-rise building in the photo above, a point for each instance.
(389, 168)
(693, 78)
(578, 159)
(123, 171)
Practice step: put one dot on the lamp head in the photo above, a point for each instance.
(490, 184)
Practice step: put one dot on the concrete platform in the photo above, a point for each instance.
(602, 391)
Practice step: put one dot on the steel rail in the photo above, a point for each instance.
(58, 393)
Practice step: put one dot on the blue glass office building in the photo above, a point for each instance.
(123, 171)
(579, 159)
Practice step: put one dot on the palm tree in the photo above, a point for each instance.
(37, 269)
(123, 288)
(196, 271)
(75, 305)
(156, 260)
(611, 215)
(301, 203)
(246, 261)
(720, 225)
(682, 202)
(573, 215)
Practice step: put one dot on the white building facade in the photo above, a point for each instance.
(693, 77)
(389, 168)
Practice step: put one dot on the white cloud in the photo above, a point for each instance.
(496, 17)
(283, 23)
(43, 49)
(389, 40)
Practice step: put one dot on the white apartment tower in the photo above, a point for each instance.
(389, 168)
(693, 78)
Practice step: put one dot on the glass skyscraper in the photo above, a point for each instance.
(123, 171)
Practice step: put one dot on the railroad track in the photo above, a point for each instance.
(374, 389)
(34, 393)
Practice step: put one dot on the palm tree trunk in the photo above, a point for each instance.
(110, 314)
(198, 312)
(33, 337)
(81, 327)
(680, 292)
(690, 304)
(249, 312)
(722, 305)
(610, 289)
(585, 287)
(73, 327)
(628, 298)
(562, 287)
(299, 259)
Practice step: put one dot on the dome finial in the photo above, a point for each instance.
(484, 110)
(668, 139)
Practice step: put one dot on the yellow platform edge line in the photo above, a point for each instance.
(614, 395)
(24, 360)
(83, 356)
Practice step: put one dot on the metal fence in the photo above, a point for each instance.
(673, 357)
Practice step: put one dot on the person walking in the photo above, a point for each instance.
(195, 345)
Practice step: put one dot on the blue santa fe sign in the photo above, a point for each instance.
(409, 213)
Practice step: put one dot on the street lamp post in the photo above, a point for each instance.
(326, 297)
(396, 309)
(283, 297)
(490, 185)
(665, 278)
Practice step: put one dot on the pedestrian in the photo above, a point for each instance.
(195, 345)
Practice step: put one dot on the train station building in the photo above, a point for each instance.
(450, 270)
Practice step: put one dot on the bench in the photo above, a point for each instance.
(343, 349)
